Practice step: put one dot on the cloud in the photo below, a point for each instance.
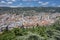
(31, 6)
(2, 2)
(45, 3)
(7, 0)
(26, 0)
(58, 6)
(15, 6)
(10, 2)
(54, 4)
(5, 3)
(30, 0)
(40, 2)
(20, 4)
(13, 0)
(35, 0)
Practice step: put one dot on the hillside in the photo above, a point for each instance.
(36, 9)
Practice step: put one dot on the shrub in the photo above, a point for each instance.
(7, 36)
(19, 32)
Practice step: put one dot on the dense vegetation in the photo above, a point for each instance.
(51, 32)
(37, 9)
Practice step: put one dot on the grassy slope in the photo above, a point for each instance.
(51, 32)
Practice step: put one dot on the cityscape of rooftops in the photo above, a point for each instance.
(29, 19)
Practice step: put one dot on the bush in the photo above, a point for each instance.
(19, 32)
(51, 32)
(34, 37)
(7, 36)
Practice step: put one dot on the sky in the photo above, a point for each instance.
(29, 3)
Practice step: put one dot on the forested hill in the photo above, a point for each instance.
(37, 9)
